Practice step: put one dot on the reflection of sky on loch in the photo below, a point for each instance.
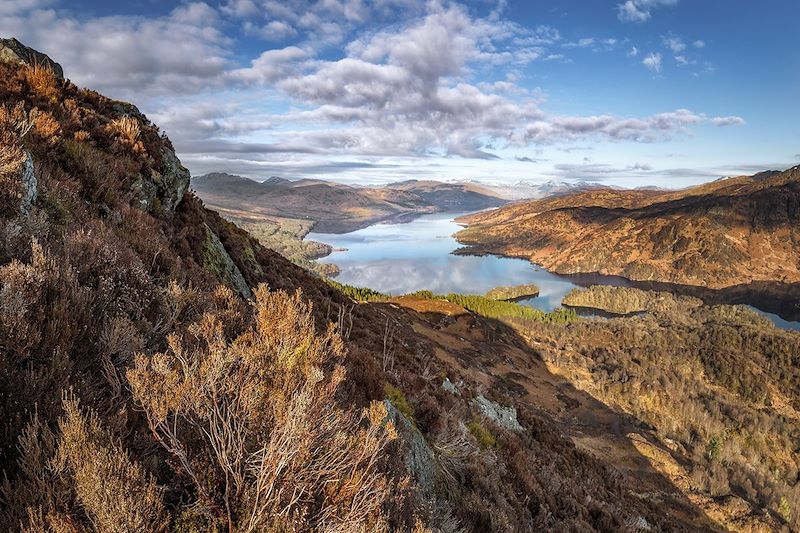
(401, 258)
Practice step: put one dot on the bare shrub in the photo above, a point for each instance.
(15, 123)
(114, 492)
(129, 132)
(119, 340)
(253, 422)
(42, 306)
(43, 81)
(37, 491)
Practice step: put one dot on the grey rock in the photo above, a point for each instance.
(165, 188)
(14, 51)
(29, 186)
(638, 524)
(419, 458)
(219, 261)
(505, 417)
(450, 387)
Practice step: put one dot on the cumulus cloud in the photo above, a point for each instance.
(438, 80)
(12, 7)
(119, 55)
(653, 62)
(682, 61)
(647, 129)
(270, 66)
(640, 10)
(727, 121)
(406, 91)
(674, 43)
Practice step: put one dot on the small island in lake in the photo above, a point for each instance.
(627, 300)
(514, 292)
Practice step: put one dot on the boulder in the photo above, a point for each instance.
(14, 51)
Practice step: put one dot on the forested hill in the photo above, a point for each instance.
(729, 232)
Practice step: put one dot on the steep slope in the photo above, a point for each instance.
(724, 233)
(335, 207)
(161, 370)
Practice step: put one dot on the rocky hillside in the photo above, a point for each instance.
(729, 232)
(335, 207)
(160, 370)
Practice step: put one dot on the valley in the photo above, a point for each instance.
(174, 356)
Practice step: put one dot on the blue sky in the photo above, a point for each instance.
(625, 92)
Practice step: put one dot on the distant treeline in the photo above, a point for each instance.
(477, 304)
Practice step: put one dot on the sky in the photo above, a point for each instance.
(629, 93)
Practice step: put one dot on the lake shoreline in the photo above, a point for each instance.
(772, 297)
(767, 297)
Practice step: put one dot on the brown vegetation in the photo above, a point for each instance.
(720, 234)
(140, 393)
(718, 385)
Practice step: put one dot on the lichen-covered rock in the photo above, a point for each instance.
(419, 458)
(14, 51)
(163, 190)
(505, 417)
(29, 186)
(217, 260)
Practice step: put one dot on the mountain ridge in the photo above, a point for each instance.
(336, 207)
(719, 234)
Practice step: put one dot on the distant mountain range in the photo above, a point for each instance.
(728, 232)
(336, 207)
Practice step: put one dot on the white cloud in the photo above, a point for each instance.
(727, 121)
(241, 8)
(183, 51)
(633, 52)
(271, 66)
(674, 43)
(640, 10)
(277, 30)
(441, 83)
(699, 44)
(682, 61)
(12, 7)
(653, 62)
(647, 129)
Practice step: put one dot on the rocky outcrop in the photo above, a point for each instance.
(14, 51)
(164, 190)
(419, 458)
(217, 260)
(29, 186)
(505, 417)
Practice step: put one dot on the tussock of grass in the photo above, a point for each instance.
(398, 399)
(482, 435)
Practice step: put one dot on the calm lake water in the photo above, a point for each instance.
(397, 258)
